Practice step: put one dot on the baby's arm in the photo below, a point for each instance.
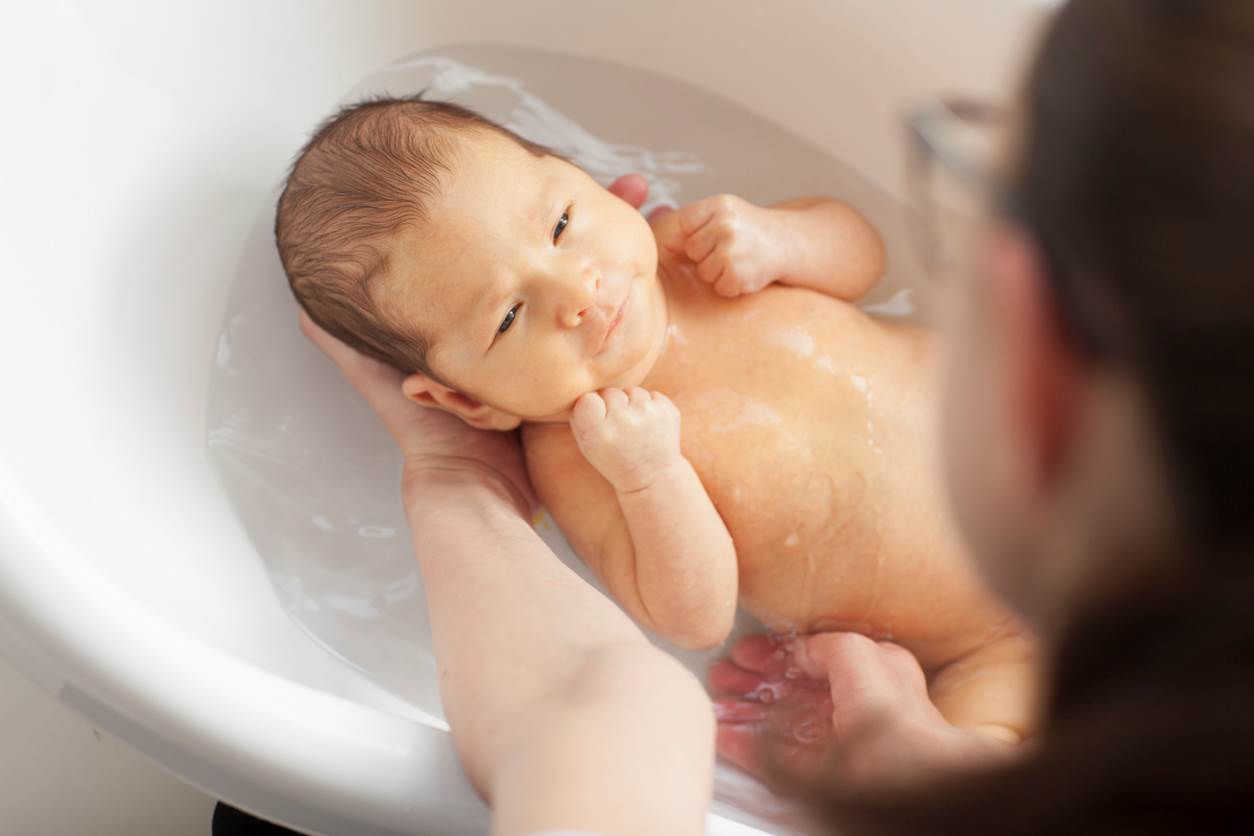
(740, 248)
(637, 512)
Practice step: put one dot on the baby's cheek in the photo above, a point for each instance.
(631, 241)
(555, 390)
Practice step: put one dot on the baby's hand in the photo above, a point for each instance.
(734, 244)
(629, 437)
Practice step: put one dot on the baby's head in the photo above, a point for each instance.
(503, 278)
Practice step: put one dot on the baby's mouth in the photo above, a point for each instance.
(614, 322)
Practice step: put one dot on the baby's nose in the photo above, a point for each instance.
(583, 300)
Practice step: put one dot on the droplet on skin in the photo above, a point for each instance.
(808, 731)
(751, 412)
(796, 339)
(675, 334)
(767, 692)
(825, 363)
(792, 540)
(859, 383)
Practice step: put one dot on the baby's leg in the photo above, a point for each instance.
(992, 690)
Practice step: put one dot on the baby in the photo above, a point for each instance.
(517, 292)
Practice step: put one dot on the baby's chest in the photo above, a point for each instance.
(778, 412)
(769, 471)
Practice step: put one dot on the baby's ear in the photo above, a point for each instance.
(424, 391)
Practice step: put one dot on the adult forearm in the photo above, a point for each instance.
(509, 621)
(563, 714)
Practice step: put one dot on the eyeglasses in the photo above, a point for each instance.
(953, 188)
(950, 178)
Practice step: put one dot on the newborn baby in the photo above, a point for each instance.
(517, 292)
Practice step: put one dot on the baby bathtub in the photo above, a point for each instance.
(142, 145)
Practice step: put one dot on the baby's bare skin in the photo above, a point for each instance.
(811, 427)
(803, 481)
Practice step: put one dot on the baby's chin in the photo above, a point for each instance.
(561, 410)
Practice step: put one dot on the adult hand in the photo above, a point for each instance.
(634, 189)
(432, 440)
(840, 703)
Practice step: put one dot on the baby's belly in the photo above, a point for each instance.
(842, 550)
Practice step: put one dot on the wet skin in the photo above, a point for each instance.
(810, 425)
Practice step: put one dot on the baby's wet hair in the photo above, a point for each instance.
(368, 171)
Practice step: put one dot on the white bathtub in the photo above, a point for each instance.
(142, 143)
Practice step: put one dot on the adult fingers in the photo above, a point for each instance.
(632, 188)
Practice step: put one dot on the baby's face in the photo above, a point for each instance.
(533, 283)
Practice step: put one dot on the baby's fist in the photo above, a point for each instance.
(731, 242)
(629, 437)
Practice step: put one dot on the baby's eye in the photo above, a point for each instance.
(562, 223)
(509, 319)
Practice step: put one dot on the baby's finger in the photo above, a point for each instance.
(638, 396)
(702, 242)
(666, 404)
(662, 399)
(614, 399)
(697, 214)
(712, 268)
(589, 410)
(727, 285)
(670, 237)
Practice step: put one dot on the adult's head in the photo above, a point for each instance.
(1099, 413)
(1100, 429)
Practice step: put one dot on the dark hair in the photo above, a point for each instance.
(1136, 172)
(365, 174)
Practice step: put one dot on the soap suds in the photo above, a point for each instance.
(796, 339)
(752, 413)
